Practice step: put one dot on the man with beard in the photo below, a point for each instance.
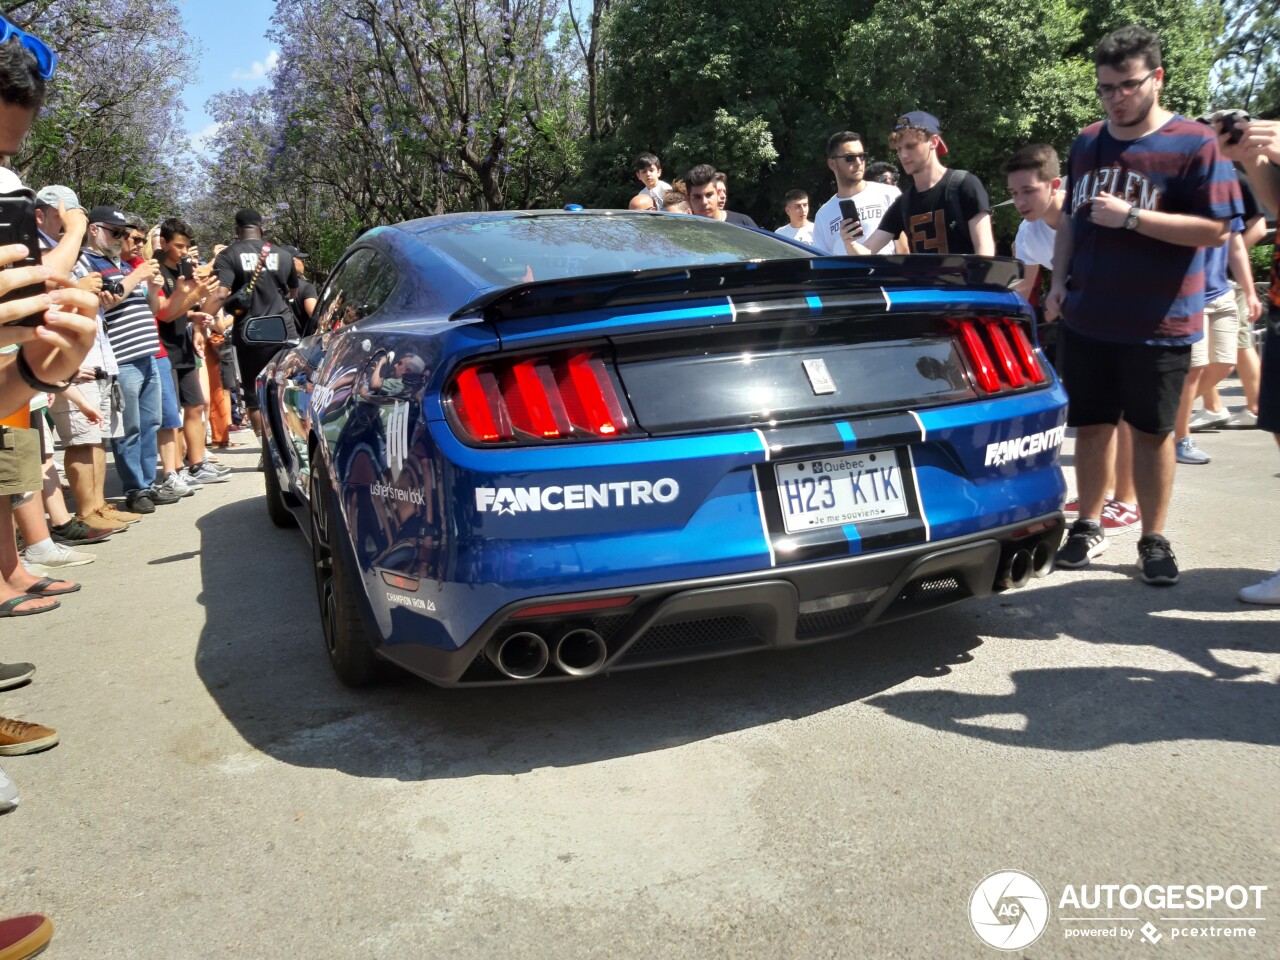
(1147, 191)
(847, 161)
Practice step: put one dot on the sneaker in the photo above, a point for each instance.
(205, 473)
(1085, 540)
(173, 484)
(77, 531)
(1244, 419)
(15, 674)
(1156, 561)
(1268, 591)
(8, 800)
(99, 521)
(140, 502)
(109, 511)
(1118, 515)
(17, 737)
(1188, 452)
(1208, 419)
(25, 936)
(161, 497)
(57, 556)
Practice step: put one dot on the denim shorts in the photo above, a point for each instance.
(170, 415)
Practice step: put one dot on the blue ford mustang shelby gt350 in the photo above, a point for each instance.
(534, 446)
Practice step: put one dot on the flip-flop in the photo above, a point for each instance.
(10, 607)
(41, 588)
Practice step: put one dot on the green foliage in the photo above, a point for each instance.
(1260, 258)
(1248, 66)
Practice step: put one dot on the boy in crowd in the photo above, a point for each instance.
(940, 211)
(704, 197)
(1147, 191)
(847, 161)
(800, 226)
(882, 172)
(649, 172)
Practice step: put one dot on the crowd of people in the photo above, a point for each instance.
(118, 336)
(1151, 299)
(124, 336)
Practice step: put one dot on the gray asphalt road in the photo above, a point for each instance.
(217, 793)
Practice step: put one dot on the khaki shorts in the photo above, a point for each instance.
(20, 462)
(1244, 339)
(74, 429)
(1221, 332)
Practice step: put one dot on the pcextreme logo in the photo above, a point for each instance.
(1021, 447)
(576, 496)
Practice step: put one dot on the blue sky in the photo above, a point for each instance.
(232, 48)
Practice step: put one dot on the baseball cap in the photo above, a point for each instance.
(246, 217)
(922, 121)
(55, 194)
(112, 216)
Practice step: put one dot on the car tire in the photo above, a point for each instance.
(280, 515)
(345, 638)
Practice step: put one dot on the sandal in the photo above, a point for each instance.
(41, 588)
(10, 607)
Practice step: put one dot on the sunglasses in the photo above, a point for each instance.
(46, 59)
(852, 158)
(138, 238)
(114, 232)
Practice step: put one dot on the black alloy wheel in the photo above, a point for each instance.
(345, 639)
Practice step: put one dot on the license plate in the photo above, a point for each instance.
(853, 488)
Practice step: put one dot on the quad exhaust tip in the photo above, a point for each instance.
(1017, 570)
(520, 656)
(1042, 559)
(580, 652)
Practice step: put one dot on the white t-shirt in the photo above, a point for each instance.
(804, 234)
(1035, 243)
(872, 203)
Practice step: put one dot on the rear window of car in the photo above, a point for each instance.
(546, 247)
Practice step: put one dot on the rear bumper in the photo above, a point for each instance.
(711, 617)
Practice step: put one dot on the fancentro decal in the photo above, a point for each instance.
(1021, 447)
(576, 496)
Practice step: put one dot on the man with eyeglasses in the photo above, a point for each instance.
(130, 303)
(847, 160)
(1147, 191)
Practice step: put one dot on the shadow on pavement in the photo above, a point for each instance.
(261, 657)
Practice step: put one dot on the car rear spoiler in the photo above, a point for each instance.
(808, 274)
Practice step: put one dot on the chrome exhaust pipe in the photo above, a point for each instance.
(520, 656)
(1016, 571)
(1042, 559)
(581, 652)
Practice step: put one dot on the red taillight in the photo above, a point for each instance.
(1000, 354)
(573, 606)
(547, 397)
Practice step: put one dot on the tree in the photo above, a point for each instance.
(1248, 65)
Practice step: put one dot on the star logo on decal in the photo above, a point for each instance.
(505, 502)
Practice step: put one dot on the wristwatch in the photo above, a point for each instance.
(1131, 218)
(35, 383)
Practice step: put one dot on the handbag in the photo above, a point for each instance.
(237, 305)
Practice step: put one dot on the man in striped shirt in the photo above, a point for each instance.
(129, 307)
(1147, 191)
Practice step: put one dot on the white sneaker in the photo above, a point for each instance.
(175, 485)
(1268, 591)
(1208, 419)
(8, 794)
(1242, 420)
(55, 557)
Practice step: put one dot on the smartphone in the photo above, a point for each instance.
(849, 211)
(187, 268)
(18, 225)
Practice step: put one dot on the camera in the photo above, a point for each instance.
(112, 286)
(99, 373)
(187, 269)
(1232, 123)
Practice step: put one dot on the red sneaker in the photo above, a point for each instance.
(1118, 515)
(22, 937)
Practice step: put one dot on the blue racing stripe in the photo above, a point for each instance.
(854, 538)
(847, 435)
(815, 303)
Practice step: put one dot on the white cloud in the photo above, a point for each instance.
(259, 68)
(203, 140)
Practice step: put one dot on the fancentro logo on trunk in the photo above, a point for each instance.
(1009, 910)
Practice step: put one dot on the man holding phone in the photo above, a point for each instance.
(857, 201)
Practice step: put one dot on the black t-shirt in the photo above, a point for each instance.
(937, 220)
(740, 219)
(234, 268)
(306, 291)
(175, 335)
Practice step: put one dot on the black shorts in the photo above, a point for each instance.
(1108, 381)
(186, 383)
(1269, 392)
